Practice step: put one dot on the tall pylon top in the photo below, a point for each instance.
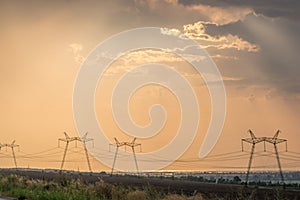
(253, 139)
(11, 145)
(131, 144)
(68, 139)
(273, 140)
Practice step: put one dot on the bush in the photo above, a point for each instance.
(103, 190)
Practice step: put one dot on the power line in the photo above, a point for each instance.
(50, 155)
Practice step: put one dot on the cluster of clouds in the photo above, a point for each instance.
(255, 43)
(197, 31)
(271, 8)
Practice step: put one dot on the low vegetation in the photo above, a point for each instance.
(64, 187)
(71, 187)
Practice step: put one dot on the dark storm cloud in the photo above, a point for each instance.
(271, 8)
(275, 66)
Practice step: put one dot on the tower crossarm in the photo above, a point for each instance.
(132, 144)
(75, 138)
(119, 144)
(275, 140)
(253, 140)
(12, 145)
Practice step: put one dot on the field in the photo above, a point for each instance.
(45, 185)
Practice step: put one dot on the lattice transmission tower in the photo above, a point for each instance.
(68, 139)
(131, 144)
(255, 140)
(13, 145)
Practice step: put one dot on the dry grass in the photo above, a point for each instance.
(182, 197)
(137, 195)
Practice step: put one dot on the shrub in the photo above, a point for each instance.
(103, 190)
(118, 192)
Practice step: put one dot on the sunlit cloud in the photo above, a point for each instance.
(226, 78)
(171, 32)
(213, 14)
(136, 58)
(219, 56)
(271, 8)
(221, 16)
(197, 31)
(150, 56)
(76, 49)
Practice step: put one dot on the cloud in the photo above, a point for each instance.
(172, 32)
(173, 13)
(231, 78)
(173, 9)
(272, 8)
(197, 31)
(252, 98)
(76, 49)
(133, 59)
(239, 38)
(150, 56)
(265, 53)
(220, 15)
(219, 56)
(235, 42)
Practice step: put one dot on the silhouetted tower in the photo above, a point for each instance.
(275, 140)
(68, 139)
(120, 144)
(12, 146)
(254, 140)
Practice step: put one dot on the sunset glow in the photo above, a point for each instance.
(255, 46)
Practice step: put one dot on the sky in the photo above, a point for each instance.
(254, 44)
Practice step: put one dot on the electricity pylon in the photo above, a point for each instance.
(12, 146)
(273, 140)
(68, 139)
(253, 140)
(130, 144)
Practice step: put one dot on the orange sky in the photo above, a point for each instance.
(43, 46)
